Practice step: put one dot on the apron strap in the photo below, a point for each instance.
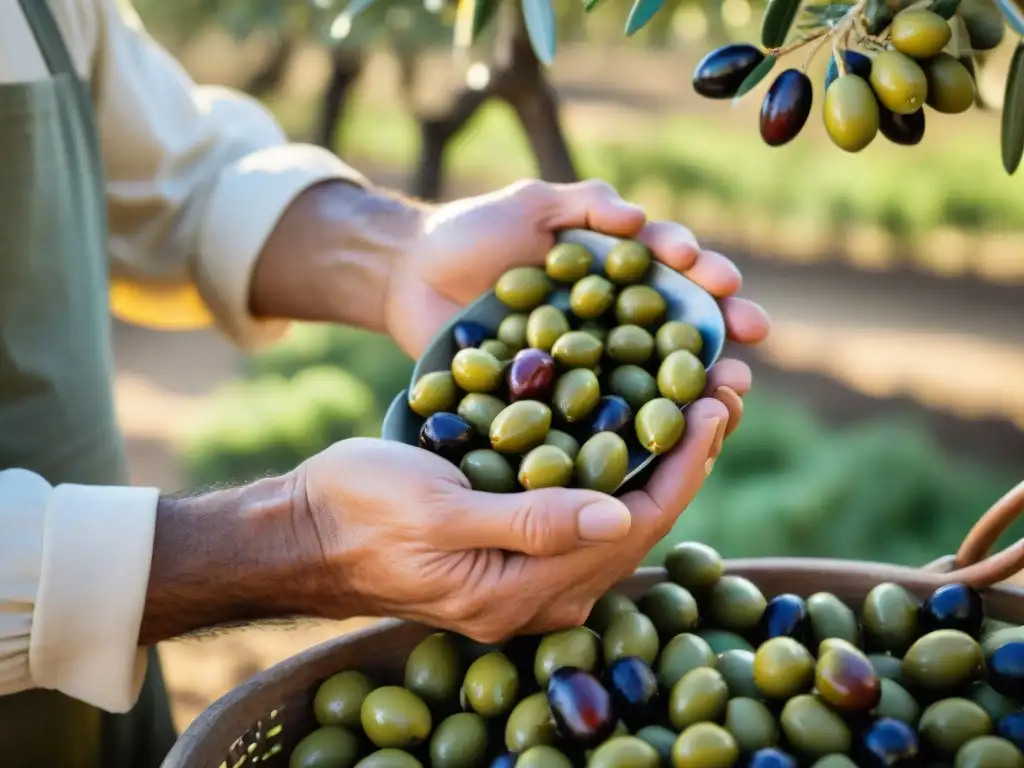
(48, 37)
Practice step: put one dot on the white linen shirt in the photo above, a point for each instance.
(197, 177)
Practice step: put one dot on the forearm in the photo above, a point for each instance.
(331, 255)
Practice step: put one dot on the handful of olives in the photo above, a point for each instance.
(702, 671)
(582, 381)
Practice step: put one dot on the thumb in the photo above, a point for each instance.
(548, 521)
(595, 205)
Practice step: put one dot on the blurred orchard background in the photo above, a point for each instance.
(889, 409)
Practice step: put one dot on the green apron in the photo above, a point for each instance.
(56, 406)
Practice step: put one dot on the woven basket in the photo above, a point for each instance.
(260, 721)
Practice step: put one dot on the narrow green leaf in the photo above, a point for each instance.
(641, 13)
(589, 5)
(827, 14)
(1013, 112)
(759, 73)
(1014, 15)
(944, 8)
(541, 25)
(777, 21)
(471, 18)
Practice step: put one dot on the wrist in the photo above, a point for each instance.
(332, 255)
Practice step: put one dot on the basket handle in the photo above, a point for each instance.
(972, 564)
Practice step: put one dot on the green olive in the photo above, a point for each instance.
(950, 85)
(573, 647)
(476, 371)
(1001, 637)
(577, 349)
(984, 22)
(661, 738)
(676, 335)
(491, 685)
(460, 741)
(947, 725)
(568, 262)
(591, 297)
(543, 327)
(814, 729)
(395, 717)
(630, 634)
(683, 653)
(633, 384)
(897, 703)
(389, 758)
(331, 746)
(434, 671)
(751, 723)
(995, 704)
(640, 305)
(890, 618)
(845, 679)
(705, 745)
(480, 410)
(721, 641)
(671, 608)
(563, 440)
(602, 463)
(522, 288)
(497, 348)
(834, 761)
(831, 617)
(488, 471)
(694, 565)
(629, 344)
(512, 332)
(434, 392)
(659, 425)
(898, 82)
(681, 377)
(576, 394)
(530, 724)
(990, 626)
(607, 607)
(919, 34)
(627, 262)
(624, 752)
(339, 698)
(851, 113)
(783, 668)
(735, 604)
(737, 667)
(942, 661)
(700, 695)
(989, 752)
(545, 467)
(520, 426)
(887, 667)
(543, 756)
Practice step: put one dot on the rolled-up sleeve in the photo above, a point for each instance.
(198, 176)
(74, 569)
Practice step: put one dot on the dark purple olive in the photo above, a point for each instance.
(856, 64)
(786, 107)
(507, 760)
(581, 707)
(1006, 670)
(634, 690)
(771, 758)
(612, 414)
(888, 742)
(470, 334)
(906, 130)
(530, 376)
(953, 606)
(786, 616)
(447, 435)
(720, 74)
(1011, 728)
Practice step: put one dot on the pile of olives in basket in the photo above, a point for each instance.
(585, 366)
(701, 671)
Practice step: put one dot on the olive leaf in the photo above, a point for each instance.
(641, 13)
(1014, 15)
(1013, 112)
(471, 18)
(541, 25)
(777, 21)
(759, 73)
(829, 13)
(879, 13)
(944, 8)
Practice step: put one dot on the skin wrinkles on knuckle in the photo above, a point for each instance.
(534, 524)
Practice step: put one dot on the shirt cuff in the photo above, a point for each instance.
(97, 549)
(248, 200)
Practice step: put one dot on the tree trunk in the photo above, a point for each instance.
(266, 79)
(346, 67)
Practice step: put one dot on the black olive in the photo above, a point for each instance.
(447, 435)
(720, 74)
(786, 616)
(856, 64)
(906, 130)
(786, 107)
(612, 414)
(1011, 728)
(507, 760)
(1006, 669)
(581, 707)
(634, 690)
(888, 742)
(470, 334)
(953, 606)
(771, 758)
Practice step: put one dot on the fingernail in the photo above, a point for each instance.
(708, 466)
(602, 521)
